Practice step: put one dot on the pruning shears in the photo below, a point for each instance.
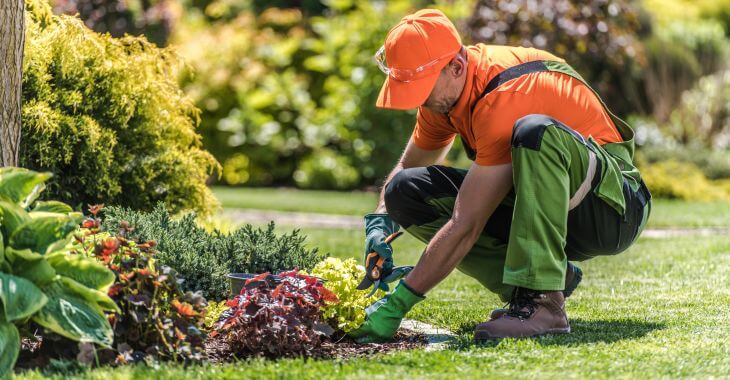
(374, 273)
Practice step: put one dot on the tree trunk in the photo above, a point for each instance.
(12, 39)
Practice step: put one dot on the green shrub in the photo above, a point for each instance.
(678, 180)
(668, 11)
(714, 163)
(279, 88)
(39, 280)
(326, 170)
(703, 116)
(204, 258)
(678, 54)
(108, 119)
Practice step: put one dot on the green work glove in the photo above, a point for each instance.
(384, 316)
(377, 228)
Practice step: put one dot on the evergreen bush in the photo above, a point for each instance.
(108, 119)
(204, 258)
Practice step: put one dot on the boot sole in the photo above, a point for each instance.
(478, 338)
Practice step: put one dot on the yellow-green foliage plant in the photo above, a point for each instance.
(213, 313)
(39, 280)
(681, 180)
(342, 278)
(107, 117)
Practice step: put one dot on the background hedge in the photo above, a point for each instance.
(287, 88)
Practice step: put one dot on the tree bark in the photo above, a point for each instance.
(12, 41)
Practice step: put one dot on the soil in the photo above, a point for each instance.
(342, 348)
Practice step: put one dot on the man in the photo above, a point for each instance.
(552, 179)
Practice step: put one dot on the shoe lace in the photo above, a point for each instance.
(522, 304)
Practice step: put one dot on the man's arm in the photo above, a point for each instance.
(413, 156)
(481, 192)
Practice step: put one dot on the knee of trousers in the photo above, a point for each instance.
(528, 131)
(403, 200)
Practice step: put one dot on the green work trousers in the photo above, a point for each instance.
(552, 214)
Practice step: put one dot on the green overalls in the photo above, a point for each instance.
(572, 199)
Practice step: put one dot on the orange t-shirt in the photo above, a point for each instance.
(488, 130)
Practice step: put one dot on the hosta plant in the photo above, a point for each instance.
(157, 319)
(276, 316)
(39, 280)
(342, 278)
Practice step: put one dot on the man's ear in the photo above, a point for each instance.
(458, 66)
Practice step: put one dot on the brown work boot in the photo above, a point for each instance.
(573, 276)
(530, 313)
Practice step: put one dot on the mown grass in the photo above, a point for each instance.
(661, 309)
(286, 199)
(666, 213)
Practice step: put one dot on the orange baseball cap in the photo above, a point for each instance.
(417, 48)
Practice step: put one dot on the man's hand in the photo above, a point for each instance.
(483, 189)
(377, 228)
(384, 316)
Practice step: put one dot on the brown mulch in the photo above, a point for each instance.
(219, 352)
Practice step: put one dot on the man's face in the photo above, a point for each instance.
(448, 87)
(440, 100)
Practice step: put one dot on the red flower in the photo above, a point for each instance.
(183, 308)
(232, 303)
(94, 209)
(179, 334)
(126, 276)
(110, 243)
(114, 290)
(328, 295)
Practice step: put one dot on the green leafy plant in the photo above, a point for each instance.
(342, 278)
(214, 312)
(157, 318)
(204, 258)
(290, 99)
(682, 180)
(107, 117)
(39, 280)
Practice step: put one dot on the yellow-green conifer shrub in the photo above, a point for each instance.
(107, 117)
(342, 278)
(681, 180)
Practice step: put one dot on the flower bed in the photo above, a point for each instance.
(130, 308)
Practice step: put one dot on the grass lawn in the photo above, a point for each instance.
(661, 309)
(666, 213)
(286, 199)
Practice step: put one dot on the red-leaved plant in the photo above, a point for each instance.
(158, 320)
(276, 316)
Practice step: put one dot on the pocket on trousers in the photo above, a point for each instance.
(631, 220)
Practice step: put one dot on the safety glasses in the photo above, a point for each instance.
(404, 75)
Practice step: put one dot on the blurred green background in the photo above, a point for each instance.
(286, 89)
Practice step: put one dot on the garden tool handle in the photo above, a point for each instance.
(376, 270)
